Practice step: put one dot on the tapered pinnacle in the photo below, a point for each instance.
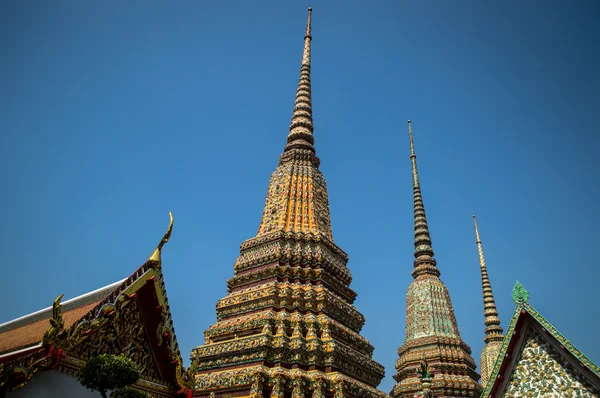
(493, 330)
(301, 127)
(424, 261)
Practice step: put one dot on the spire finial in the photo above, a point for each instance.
(493, 330)
(308, 23)
(301, 127)
(477, 238)
(424, 261)
(413, 157)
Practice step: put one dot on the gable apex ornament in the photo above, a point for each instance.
(155, 258)
(520, 295)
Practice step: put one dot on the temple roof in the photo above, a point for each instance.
(132, 309)
(527, 322)
(29, 330)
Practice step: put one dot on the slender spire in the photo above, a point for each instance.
(424, 261)
(301, 127)
(493, 330)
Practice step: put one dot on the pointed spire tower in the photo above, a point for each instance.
(493, 331)
(288, 327)
(431, 329)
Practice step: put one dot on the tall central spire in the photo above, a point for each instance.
(288, 326)
(431, 329)
(493, 331)
(424, 262)
(301, 127)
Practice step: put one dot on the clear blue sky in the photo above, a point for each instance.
(113, 113)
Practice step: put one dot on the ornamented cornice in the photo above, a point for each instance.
(290, 296)
(314, 383)
(298, 339)
(296, 249)
(314, 276)
(309, 324)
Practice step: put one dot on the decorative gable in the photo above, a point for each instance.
(536, 360)
(132, 318)
(542, 371)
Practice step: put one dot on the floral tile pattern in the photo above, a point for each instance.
(541, 371)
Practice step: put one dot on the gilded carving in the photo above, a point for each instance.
(57, 324)
(17, 373)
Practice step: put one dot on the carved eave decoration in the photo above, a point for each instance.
(524, 317)
(134, 319)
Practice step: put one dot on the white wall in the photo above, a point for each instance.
(53, 384)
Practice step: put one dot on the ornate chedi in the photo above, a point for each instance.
(287, 327)
(431, 328)
(493, 331)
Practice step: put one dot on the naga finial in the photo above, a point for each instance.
(57, 324)
(155, 257)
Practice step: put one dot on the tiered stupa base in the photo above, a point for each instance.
(275, 350)
(454, 372)
(280, 382)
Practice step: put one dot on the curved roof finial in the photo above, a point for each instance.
(155, 257)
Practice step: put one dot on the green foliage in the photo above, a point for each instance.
(108, 372)
(128, 392)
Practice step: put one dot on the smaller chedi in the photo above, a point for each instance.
(431, 328)
(493, 331)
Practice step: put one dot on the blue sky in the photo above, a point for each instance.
(113, 113)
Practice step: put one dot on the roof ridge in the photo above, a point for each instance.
(75, 302)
